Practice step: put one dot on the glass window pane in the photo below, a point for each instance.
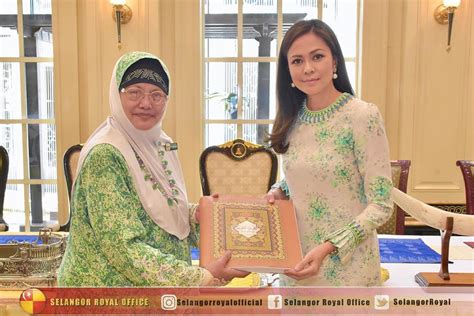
(43, 205)
(259, 81)
(42, 151)
(221, 90)
(9, 38)
(217, 134)
(220, 28)
(296, 10)
(9, 29)
(8, 7)
(220, 47)
(11, 139)
(260, 28)
(341, 16)
(256, 133)
(40, 90)
(37, 7)
(14, 208)
(10, 93)
(37, 30)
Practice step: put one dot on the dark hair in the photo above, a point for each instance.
(290, 100)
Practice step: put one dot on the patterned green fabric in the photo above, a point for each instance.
(337, 169)
(113, 241)
(390, 226)
(128, 60)
(347, 238)
(318, 116)
(282, 186)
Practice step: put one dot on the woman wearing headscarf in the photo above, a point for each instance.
(131, 223)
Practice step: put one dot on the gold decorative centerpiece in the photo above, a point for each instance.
(27, 264)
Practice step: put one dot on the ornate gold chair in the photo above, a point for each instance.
(396, 223)
(4, 163)
(467, 169)
(70, 160)
(237, 167)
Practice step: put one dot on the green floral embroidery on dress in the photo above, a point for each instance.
(361, 192)
(342, 175)
(332, 269)
(344, 142)
(331, 274)
(318, 237)
(368, 256)
(322, 160)
(323, 134)
(380, 189)
(317, 208)
(359, 153)
(374, 125)
(338, 157)
(290, 156)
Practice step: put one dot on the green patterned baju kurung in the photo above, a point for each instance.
(113, 241)
(337, 172)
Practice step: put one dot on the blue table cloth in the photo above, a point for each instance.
(393, 250)
(406, 251)
(194, 254)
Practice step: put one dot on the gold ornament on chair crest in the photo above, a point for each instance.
(444, 14)
(121, 14)
(238, 147)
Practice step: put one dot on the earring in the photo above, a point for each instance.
(292, 85)
(334, 75)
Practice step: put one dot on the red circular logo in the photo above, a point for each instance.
(32, 301)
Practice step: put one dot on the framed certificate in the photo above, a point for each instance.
(263, 237)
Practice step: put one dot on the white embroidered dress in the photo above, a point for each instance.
(337, 172)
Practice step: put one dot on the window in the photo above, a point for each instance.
(27, 125)
(241, 45)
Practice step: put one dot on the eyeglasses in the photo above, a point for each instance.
(136, 95)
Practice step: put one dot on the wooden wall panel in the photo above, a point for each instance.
(438, 105)
(429, 108)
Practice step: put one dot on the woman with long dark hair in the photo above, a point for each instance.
(335, 160)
